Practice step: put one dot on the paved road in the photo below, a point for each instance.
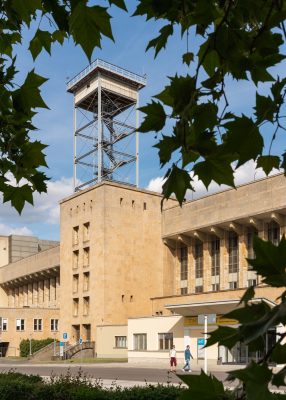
(118, 371)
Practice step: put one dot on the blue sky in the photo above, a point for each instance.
(56, 125)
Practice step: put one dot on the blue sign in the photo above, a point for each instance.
(80, 340)
(65, 335)
(62, 344)
(201, 342)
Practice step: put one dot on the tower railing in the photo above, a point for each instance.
(108, 67)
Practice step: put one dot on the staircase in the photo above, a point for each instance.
(84, 348)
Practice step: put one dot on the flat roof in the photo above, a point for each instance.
(99, 65)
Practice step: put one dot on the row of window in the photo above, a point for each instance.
(85, 306)
(85, 276)
(85, 258)
(84, 208)
(37, 324)
(37, 292)
(85, 233)
(121, 201)
(165, 341)
(214, 251)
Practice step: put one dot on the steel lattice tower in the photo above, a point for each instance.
(106, 119)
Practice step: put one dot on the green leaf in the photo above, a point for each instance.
(42, 39)
(85, 20)
(203, 387)
(268, 163)
(217, 169)
(155, 117)
(256, 379)
(166, 147)
(28, 96)
(248, 295)
(160, 42)
(178, 182)
(279, 354)
(188, 58)
(279, 378)
(18, 196)
(59, 14)
(224, 335)
(118, 3)
(26, 9)
(265, 108)
(270, 261)
(244, 139)
(165, 97)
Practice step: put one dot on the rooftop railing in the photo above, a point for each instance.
(108, 67)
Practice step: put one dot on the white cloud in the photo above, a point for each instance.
(46, 208)
(8, 230)
(244, 174)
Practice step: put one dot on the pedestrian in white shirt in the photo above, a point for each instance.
(173, 359)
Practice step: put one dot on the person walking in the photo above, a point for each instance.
(188, 355)
(173, 359)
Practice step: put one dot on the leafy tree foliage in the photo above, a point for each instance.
(21, 159)
(239, 40)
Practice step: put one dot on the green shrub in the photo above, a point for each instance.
(36, 345)
(18, 386)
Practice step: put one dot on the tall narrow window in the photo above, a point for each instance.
(54, 325)
(75, 307)
(75, 259)
(233, 252)
(184, 263)
(86, 231)
(75, 283)
(140, 341)
(199, 259)
(251, 232)
(273, 232)
(86, 257)
(165, 341)
(38, 324)
(86, 305)
(75, 234)
(215, 256)
(20, 324)
(4, 324)
(86, 281)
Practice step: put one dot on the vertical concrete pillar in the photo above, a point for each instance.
(17, 297)
(52, 290)
(243, 265)
(11, 298)
(21, 296)
(224, 262)
(207, 267)
(25, 294)
(41, 293)
(192, 278)
(30, 294)
(57, 290)
(35, 293)
(46, 292)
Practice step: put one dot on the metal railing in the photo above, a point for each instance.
(108, 67)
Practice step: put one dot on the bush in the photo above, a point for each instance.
(36, 345)
(17, 386)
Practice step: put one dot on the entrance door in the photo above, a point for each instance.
(87, 332)
(76, 333)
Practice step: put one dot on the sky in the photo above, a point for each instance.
(56, 125)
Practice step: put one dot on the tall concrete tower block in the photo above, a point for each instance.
(106, 118)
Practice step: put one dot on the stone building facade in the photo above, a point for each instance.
(134, 279)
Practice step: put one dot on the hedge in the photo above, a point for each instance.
(29, 387)
(36, 345)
